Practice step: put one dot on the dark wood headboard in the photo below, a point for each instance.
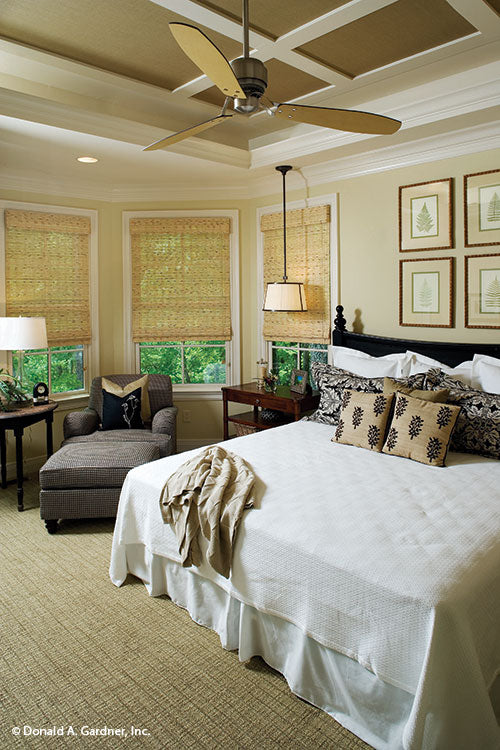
(449, 353)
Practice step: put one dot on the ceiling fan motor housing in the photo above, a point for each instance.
(252, 77)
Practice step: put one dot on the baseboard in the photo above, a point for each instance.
(31, 467)
(191, 444)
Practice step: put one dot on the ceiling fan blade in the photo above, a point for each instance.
(350, 120)
(187, 133)
(207, 57)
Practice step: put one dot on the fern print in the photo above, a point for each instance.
(357, 416)
(401, 405)
(425, 295)
(443, 417)
(492, 294)
(415, 426)
(494, 208)
(373, 436)
(425, 222)
(379, 405)
(433, 448)
(392, 439)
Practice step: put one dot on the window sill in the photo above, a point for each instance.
(204, 394)
(74, 401)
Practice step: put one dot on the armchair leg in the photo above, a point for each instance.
(51, 525)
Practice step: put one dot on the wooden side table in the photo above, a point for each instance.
(293, 405)
(17, 420)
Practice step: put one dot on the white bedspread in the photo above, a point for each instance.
(388, 561)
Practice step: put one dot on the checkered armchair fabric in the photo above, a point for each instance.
(83, 426)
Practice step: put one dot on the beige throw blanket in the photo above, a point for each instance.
(208, 493)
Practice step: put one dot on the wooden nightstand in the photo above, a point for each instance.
(293, 405)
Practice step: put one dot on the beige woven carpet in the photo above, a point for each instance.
(78, 652)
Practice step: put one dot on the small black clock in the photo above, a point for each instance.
(40, 394)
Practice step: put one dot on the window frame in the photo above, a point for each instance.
(265, 347)
(91, 351)
(186, 391)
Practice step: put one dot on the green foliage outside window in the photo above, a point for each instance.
(66, 368)
(204, 361)
(288, 356)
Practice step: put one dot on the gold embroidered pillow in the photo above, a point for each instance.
(393, 386)
(363, 419)
(117, 390)
(421, 430)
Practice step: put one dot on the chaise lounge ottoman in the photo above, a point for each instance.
(84, 480)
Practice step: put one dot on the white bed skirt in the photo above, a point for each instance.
(373, 710)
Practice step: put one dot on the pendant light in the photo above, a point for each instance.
(285, 296)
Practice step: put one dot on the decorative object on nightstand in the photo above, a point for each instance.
(262, 370)
(298, 381)
(41, 394)
(270, 382)
(285, 296)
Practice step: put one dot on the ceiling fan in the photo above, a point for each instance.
(244, 81)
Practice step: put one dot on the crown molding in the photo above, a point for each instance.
(433, 148)
(453, 96)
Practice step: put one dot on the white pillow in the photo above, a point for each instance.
(420, 363)
(360, 363)
(487, 372)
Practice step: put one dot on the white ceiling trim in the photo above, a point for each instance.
(450, 97)
(434, 148)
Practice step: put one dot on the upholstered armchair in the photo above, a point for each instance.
(84, 426)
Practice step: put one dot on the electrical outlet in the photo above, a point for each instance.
(186, 415)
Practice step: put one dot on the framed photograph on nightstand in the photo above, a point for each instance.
(298, 381)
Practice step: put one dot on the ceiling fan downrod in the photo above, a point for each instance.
(250, 72)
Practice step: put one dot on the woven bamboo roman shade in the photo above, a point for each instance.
(47, 272)
(181, 286)
(308, 260)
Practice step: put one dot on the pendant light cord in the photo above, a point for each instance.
(284, 169)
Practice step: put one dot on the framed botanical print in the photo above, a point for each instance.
(426, 292)
(482, 291)
(482, 208)
(426, 216)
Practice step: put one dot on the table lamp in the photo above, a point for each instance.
(19, 334)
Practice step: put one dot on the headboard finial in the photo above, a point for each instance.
(340, 321)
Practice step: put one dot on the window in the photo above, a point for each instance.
(287, 356)
(182, 298)
(61, 367)
(296, 340)
(186, 362)
(49, 259)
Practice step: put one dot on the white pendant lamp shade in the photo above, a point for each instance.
(285, 297)
(22, 333)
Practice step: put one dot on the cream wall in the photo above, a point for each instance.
(368, 269)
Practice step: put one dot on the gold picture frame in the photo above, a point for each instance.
(482, 208)
(482, 291)
(426, 216)
(426, 292)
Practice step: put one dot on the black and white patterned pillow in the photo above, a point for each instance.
(332, 381)
(478, 425)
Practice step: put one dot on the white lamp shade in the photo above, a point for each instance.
(23, 333)
(285, 297)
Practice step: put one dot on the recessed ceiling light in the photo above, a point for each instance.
(87, 159)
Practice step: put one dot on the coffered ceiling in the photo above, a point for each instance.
(110, 77)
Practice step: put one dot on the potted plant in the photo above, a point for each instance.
(12, 395)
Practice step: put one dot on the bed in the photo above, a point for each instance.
(371, 582)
